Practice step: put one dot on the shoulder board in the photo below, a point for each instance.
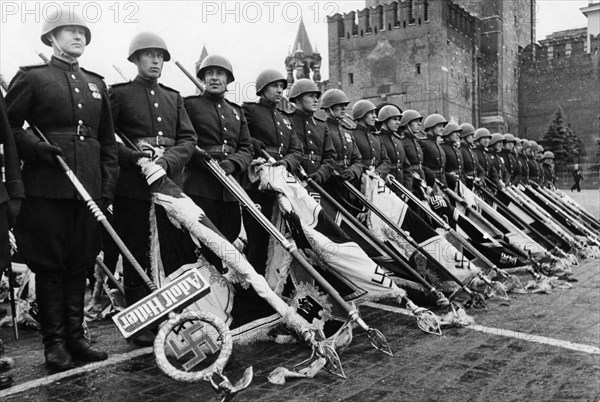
(33, 66)
(120, 84)
(168, 88)
(232, 103)
(319, 118)
(92, 73)
(192, 97)
(347, 123)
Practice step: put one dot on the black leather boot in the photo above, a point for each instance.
(77, 345)
(133, 295)
(49, 293)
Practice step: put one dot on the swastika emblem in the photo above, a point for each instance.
(192, 339)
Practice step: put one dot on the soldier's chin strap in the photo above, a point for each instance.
(61, 52)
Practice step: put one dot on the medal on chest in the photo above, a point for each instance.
(95, 91)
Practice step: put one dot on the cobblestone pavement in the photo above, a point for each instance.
(462, 365)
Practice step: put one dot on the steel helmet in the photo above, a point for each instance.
(433, 120)
(496, 137)
(388, 111)
(268, 77)
(540, 148)
(466, 130)
(533, 144)
(509, 138)
(361, 108)
(214, 60)
(147, 40)
(548, 155)
(333, 97)
(482, 133)
(450, 128)
(408, 116)
(303, 86)
(63, 18)
(526, 144)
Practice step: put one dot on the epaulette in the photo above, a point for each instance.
(348, 124)
(167, 88)
(319, 118)
(33, 66)
(233, 103)
(192, 96)
(92, 73)
(120, 84)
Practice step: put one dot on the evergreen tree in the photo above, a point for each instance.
(562, 141)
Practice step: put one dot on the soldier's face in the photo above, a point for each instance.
(484, 141)
(393, 123)
(369, 119)
(308, 102)
(415, 125)
(469, 139)
(338, 111)
(273, 92)
(509, 145)
(438, 130)
(149, 63)
(216, 80)
(452, 137)
(498, 146)
(71, 40)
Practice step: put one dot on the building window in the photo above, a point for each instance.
(351, 78)
(568, 49)
(550, 52)
(418, 68)
(426, 10)
(411, 12)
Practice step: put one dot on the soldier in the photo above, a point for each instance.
(410, 131)
(453, 169)
(538, 160)
(509, 158)
(12, 193)
(532, 164)
(548, 170)
(56, 233)
(498, 172)
(523, 176)
(369, 142)
(319, 158)
(223, 133)
(349, 159)
(389, 116)
(434, 158)
(151, 116)
(467, 145)
(270, 131)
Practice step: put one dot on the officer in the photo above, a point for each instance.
(453, 169)
(410, 131)
(548, 170)
(467, 145)
(434, 157)
(348, 158)
(498, 172)
(319, 158)
(223, 133)
(389, 117)
(56, 233)
(151, 116)
(509, 158)
(369, 142)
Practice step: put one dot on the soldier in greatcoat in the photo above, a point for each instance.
(434, 158)
(411, 132)
(389, 117)
(453, 169)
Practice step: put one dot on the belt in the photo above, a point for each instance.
(220, 149)
(275, 151)
(312, 157)
(440, 171)
(158, 141)
(80, 130)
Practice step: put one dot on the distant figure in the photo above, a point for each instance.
(577, 177)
